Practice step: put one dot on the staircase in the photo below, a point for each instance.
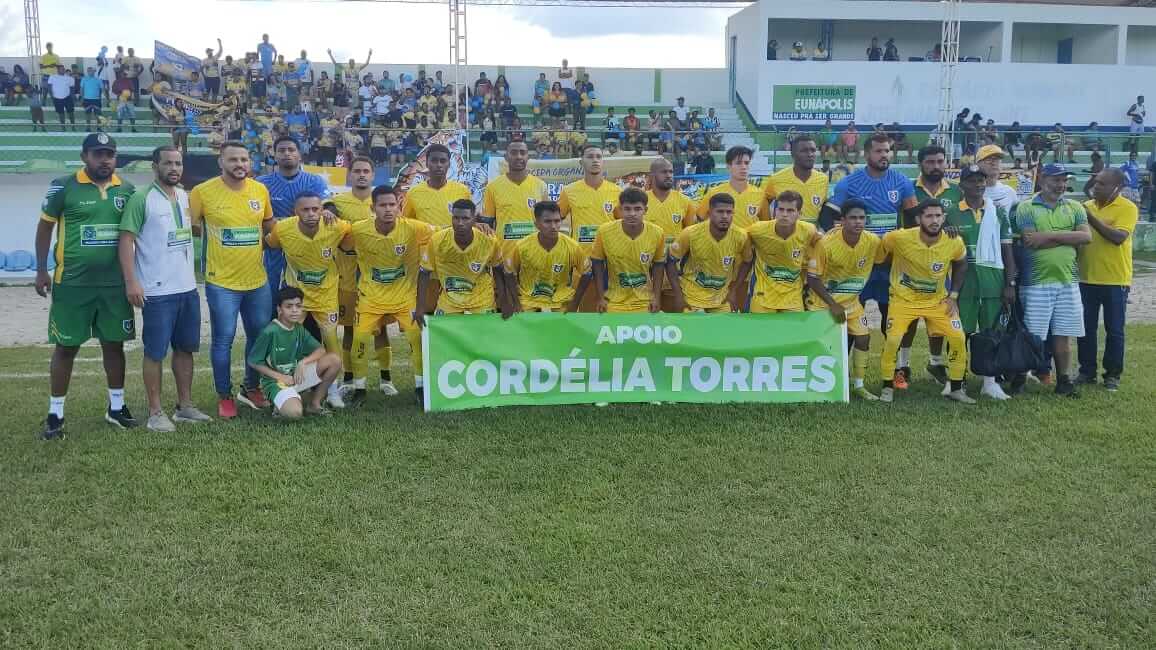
(735, 134)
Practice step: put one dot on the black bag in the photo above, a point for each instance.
(1007, 349)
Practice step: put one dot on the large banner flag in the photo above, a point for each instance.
(172, 81)
(476, 361)
(471, 175)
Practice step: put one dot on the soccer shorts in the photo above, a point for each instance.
(171, 320)
(759, 308)
(976, 313)
(80, 313)
(938, 322)
(368, 325)
(347, 308)
(460, 312)
(725, 309)
(279, 394)
(856, 317)
(1053, 309)
(91, 105)
(373, 323)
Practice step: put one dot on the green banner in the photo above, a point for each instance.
(813, 103)
(476, 361)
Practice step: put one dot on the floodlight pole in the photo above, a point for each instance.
(948, 59)
(458, 57)
(32, 39)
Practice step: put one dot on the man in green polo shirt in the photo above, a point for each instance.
(84, 211)
(991, 270)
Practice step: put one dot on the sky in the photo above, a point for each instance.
(600, 37)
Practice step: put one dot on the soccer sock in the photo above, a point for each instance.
(347, 363)
(904, 357)
(858, 366)
(418, 381)
(937, 359)
(56, 406)
(956, 384)
(988, 382)
(347, 377)
(115, 399)
(385, 362)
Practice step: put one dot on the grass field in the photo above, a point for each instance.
(922, 524)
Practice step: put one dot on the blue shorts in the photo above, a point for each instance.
(174, 319)
(878, 286)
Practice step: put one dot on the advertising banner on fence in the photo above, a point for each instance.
(623, 171)
(813, 103)
(477, 361)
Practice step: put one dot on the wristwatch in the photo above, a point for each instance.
(954, 295)
(1011, 283)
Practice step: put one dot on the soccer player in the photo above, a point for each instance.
(750, 206)
(389, 253)
(509, 200)
(670, 210)
(311, 252)
(710, 261)
(431, 200)
(233, 212)
(586, 205)
(632, 252)
(156, 259)
(84, 211)
(887, 194)
(354, 206)
(542, 269)
(801, 177)
(838, 269)
(781, 249)
(285, 183)
(991, 269)
(291, 362)
(922, 258)
(467, 264)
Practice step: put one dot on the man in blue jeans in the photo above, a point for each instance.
(1106, 275)
(234, 213)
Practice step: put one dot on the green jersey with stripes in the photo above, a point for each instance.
(87, 222)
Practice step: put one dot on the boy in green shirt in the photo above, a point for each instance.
(290, 361)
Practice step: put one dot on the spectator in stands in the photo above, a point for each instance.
(613, 127)
(821, 53)
(91, 93)
(826, 138)
(935, 54)
(49, 61)
(60, 87)
(702, 161)
(1131, 171)
(849, 143)
(899, 141)
(349, 73)
(1136, 113)
(1013, 139)
(267, 53)
(133, 68)
(556, 103)
(874, 52)
(654, 126)
(680, 109)
(1091, 139)
(890, 51)
(798, 53)
(772, 50)
(5, 82)
(1059, 141)
(18, 86)
(566, 75)
(959, 129)
(789, 139)
(483, 85)
(541, 86)
(1097, 167)
(633, 128)
(502, 85)
(211, 72)
(36, 109)
(711, 125)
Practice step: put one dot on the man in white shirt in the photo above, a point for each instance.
(381, 105)
(680, 109)
(60, 86)
(1001, 194)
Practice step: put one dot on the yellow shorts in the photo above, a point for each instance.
(935, 318)
(627, 309)
(372, 323)
(347, 308)
(757, 308)
(857, 321)
(725, 309)
(324, 319)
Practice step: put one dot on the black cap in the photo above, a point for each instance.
(96, 141)
(969, 171)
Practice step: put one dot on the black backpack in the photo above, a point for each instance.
(1007, 349)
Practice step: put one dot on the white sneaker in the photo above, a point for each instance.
(190, 414)
(960, 396)
(334, 399)
(161, 422)
(601, 404)
(946, 388)
(388, 388)
(993, 390)
(887, 395)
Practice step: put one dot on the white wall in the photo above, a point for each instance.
(1141, 45)
(748, 26)
(1037, 43)
(984, 40)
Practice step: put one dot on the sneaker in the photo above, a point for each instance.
(601, 405)
(333, 398)
(960, 396)
(937, 372)
(1047, 379)
(1031, 376)
(190, 414)
(387, 388)
(226, 408)
(994, 391)
(1066, 388)
(899, 381)
(419, 393)
(861, 392)
(121, 418)
(53, 428)
(1017, 386)
(318, 412)
(253, 398)
(887, 395)
(160, 422)
(1112, 384)
(946, 388)
(1085, 380)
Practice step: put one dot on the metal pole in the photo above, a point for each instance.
(458, 57)
(949, 58)
(32, 39)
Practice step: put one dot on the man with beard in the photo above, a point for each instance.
(801, 177)
(887, 194)
(670, 210)
(922, 259)
(84, 211)
(285, 183)
(509, 200)
(710, 261)
(588, 204)
(156, 259)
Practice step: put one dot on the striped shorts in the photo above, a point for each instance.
(1053, 309)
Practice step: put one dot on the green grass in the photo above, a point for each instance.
(922, 524)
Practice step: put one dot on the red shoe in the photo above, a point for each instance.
(1047, 379)
(900, 380)
(253, 398)
(226, 408)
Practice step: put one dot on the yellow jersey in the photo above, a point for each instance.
(1101, 261)
(918, 271)
(587, 208)
(813, 190)
(628, 263)
(311, 262)
(709, 265)
(424, 203)
(388, 264)
(352, 209)
(466, 275)
(780, 264)
(750, 206)
(841, 268)
(546, 278)
(512, 207)
(672, 215)
(232, 219)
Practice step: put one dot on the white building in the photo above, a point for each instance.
(1032, 62)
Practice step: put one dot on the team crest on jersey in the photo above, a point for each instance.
(796, 252)
(254, 205)
(752, 210)
(946, 203)
(558, 268)
(862, 262)
(815, 200)
(645, 257)
(118, 202)
(936, 267)
(333, 318)
(677, 218)
(893, 196)
(128, 325)
(399, 249)
(728, 260)
(530, 202)
(476, 267)
(327, 253)
(608, 207)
